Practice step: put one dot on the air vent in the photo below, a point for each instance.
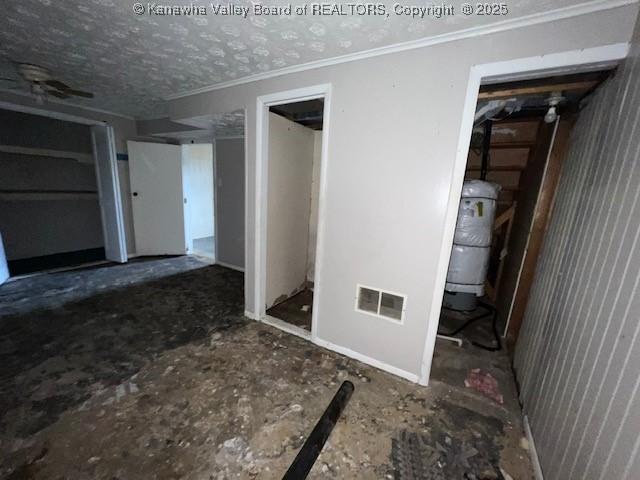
(380, 303)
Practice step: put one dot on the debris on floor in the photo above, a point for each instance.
(134, 374)
(485, 384)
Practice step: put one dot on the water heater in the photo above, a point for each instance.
(471, 245)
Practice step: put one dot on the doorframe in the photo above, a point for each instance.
(263, 103)
(117, 197)
(573, 61)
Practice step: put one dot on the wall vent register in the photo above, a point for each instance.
(380, 303)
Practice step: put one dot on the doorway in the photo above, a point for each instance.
(197, 166)
(292, 135)
(60, 193)
(172, 188)
(519, 140)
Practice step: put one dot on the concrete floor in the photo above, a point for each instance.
(129, 372)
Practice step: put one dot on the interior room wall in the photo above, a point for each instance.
(48, 204)
(315, 196)
(229, 201)
(578, 352)
(291, 148)
(197, 164)
(392, 141)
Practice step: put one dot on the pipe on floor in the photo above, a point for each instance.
(308, 454)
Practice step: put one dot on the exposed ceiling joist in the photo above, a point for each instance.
(537, 90)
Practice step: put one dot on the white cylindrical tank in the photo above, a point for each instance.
(476, 213)
(472, 238)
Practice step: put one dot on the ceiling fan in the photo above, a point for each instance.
(43, 85)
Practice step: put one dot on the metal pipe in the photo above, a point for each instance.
(308, 454)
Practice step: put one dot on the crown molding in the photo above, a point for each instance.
(501, 26)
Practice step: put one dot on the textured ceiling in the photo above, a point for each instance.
(131, 62)
(213, 126)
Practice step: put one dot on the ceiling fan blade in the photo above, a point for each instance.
(57, 93)
(78, 93)
(58, 84)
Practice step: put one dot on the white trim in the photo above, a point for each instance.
(533, 453)
(60, 102)
(261, 188)
(412, 377)
(229, 265)
(450, 339)
(501, 26)
(45, 152)
(250, 315)
(117, 197)
(286, 327)
(246, 209)
(215, 199)
(477, 73)
(305, 334)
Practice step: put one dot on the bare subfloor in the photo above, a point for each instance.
(149, 371)
(295, 310)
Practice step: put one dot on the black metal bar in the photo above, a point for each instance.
(486, 146)
(303, 463)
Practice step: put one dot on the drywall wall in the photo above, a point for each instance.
(392, 140)
(315, 197)
(48, 204)
(578, 354)
(289, 175)
(229, 174)
(197, 170)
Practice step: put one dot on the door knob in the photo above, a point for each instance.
(135, 194)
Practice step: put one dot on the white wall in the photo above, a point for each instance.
(197, 165)
(229, 203)
(290, 172)
(315, 196)
(392, 141)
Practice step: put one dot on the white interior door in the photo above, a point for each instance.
(104, 154)
(158, 203)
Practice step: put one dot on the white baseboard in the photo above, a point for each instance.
(412, 377)
(535, 461)
(300, 332)
(286, 327)
(250, 315)
(229, 265)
